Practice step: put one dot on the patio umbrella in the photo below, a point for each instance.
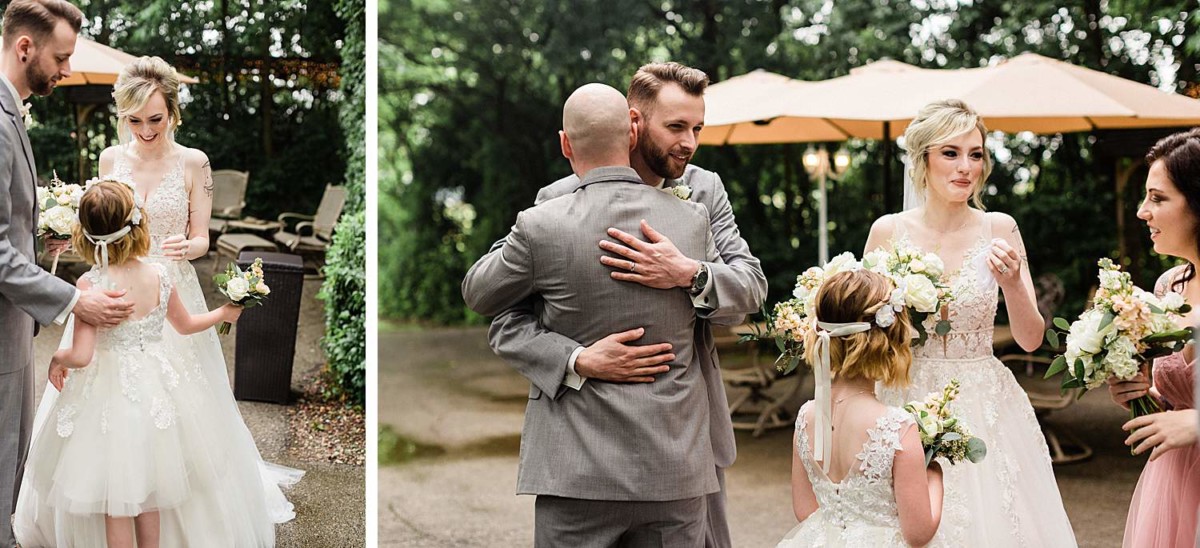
(1029, 92)
(96, 63)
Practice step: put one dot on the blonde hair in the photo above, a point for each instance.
(935, 124)
(105, 208)
(139, 81)
(880, 354)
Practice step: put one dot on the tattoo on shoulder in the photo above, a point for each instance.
(208, 180)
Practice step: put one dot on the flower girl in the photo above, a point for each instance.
(127, 450)
(858, 469)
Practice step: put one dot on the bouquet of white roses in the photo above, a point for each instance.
(918, 276)
(793, 319)
(942, 433)
(246, 288)
(58, 207)
(1125, 327)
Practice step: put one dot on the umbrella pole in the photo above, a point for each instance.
(888, 206)
(823, 221)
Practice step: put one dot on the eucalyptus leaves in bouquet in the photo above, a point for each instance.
(942, 433)
(1124, 328)
(246, 288)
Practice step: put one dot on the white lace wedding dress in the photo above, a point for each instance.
(1010, 499)
(860, 510)
(203, 362)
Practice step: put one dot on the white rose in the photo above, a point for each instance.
(62, 198)
(916, 266)
(801, 292)
(933, 265)
(1172, 301)
(875, 261)
(59, 220)
(845, 261)
(237, 289)
(919, 293)
(76, 194)
(42, 195)
(1085, 335)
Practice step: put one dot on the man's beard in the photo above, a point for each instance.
(658, 160)
(40, 83)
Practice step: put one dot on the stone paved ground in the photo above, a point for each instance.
(330, 501)
(456, 412)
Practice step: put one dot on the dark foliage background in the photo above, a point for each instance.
(471, 95)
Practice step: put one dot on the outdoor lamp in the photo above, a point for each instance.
(817, 164)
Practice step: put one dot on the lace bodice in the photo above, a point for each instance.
(972, 314)
(167, 206)
(865, 496)
(136, 334)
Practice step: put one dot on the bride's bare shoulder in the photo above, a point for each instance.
(194, 158)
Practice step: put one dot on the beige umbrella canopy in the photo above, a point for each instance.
(1026, 93)
(94, 63)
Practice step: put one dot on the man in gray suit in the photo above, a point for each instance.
(668, 104)
(611, 464)
(39, 38)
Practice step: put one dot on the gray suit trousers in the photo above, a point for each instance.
(579, 523)
(16, 426)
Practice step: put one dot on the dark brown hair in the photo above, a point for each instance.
(1180, 154)
(37, 18)
(649, 80)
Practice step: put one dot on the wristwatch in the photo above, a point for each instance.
(699, 280)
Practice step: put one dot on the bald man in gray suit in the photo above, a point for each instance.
(612, 464)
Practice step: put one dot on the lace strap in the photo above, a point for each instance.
(882, 443)
(802, 436)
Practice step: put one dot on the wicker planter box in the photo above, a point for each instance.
(266, 334)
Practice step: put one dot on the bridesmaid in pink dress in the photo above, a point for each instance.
(1163, 512)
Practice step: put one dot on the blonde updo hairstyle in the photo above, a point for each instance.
(137, 83)
(935, 124)
(880, 354)
(105, 208)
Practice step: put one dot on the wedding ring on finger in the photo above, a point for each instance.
(1004, 269)
(632, 267)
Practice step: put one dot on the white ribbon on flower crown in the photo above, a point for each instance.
(823, 377)
(101, 252)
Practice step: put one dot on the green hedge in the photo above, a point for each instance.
(344, 290)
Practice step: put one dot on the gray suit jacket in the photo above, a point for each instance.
(607, 441)
(542, 354)
(27, 293)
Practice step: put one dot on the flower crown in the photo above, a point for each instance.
(135, 216)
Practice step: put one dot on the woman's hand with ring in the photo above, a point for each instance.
(176, 247)
(1004, 261)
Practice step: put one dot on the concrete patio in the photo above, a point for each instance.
(458, 409)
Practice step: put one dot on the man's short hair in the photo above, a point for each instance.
(37, 18)
(649, 80)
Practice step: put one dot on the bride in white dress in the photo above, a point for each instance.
(175, 185)
(1011, 497)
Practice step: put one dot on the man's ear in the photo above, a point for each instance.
(565, 143)
(633, 136)
(24, 47)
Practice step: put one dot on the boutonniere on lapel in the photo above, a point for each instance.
(27, 113)
(682, 192)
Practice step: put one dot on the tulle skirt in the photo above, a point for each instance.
(149, 429)
(1011, 498)
(1165, 502)
(816, 531)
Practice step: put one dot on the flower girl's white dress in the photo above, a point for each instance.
(135, 432)
(859, 511)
